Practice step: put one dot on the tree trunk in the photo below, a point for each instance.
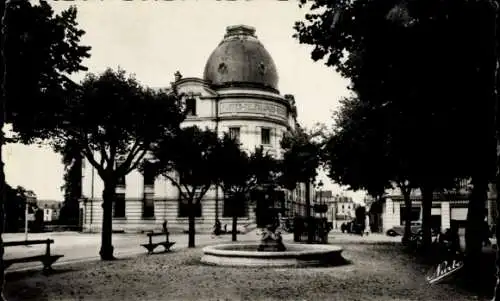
(236, 200)
(427, 196)
(497, 236)
(310, 228)
(408, 212)
(191, 230)
(235, 228)
(108, 197)
(2, 215)
(474, 231)
(3, 191)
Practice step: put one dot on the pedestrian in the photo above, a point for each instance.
(217, 228)
(486, 232)
(367, 224)
(164, 226)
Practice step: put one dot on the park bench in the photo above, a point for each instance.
(46, 259)
(152, 246)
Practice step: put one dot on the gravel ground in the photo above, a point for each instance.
(377, 272)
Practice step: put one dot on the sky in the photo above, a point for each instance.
(153, 39)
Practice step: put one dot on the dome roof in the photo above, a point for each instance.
(241, 60)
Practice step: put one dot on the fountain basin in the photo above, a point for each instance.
(295, 255)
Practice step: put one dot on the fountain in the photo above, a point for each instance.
(271, 252)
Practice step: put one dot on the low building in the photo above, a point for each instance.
(445, 208)
(340, 208)
(51, 209)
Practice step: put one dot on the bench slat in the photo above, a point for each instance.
(27, 242)
(157, 233)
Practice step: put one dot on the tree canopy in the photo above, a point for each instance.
(41, 49)
(303, 155)
(410, 57)
(238, 171)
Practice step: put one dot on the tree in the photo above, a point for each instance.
(113, 122)
(359, 153)
(395, 52)
(188, 161)
(39, 50)
(238, 173)
(303, 155)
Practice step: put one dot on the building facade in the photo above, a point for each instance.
(445, 208)
(239, 95)
(51, 210)
(340, 208)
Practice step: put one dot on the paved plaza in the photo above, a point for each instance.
(78, 247)
(83, 247)
(378, 270)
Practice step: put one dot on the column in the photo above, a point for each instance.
(396, 213)
(387, 213)
(445, 215)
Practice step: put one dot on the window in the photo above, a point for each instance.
(121, 180)
(265, 136)
(148, 175)
(184, 208)
(234, 133)
(191, 106)
(148, 205)
(240, 207)
(119, 205)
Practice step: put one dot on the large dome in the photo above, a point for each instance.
(241, 60)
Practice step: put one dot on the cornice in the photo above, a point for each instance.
(277, 99)
(242, 118)
(244, 85)
(196, 80)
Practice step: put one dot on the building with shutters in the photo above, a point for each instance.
(239, 95)
(446, 206)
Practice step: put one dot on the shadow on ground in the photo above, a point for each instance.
(15, 276)
(481, 285)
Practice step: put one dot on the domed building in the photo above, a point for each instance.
(239, 95)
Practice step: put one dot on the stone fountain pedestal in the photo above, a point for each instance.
(271, 240)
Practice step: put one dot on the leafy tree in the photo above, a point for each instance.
(188, 160)
(238, 173)
(359, 153)
(395, 53)
(39, 50)
(301, 160)
(113, 122)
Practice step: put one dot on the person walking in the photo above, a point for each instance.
(367, 224)
(217, 228)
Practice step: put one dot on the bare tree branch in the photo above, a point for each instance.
(138, 161)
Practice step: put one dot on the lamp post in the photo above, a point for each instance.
(26, 220)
